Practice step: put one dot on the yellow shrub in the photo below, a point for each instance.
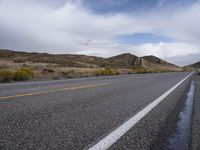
(23, 74)
(6, 76)
(104, 72)
(141, 70)
(29, 71)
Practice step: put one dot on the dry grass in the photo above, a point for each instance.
(52, 71)
(49, 71)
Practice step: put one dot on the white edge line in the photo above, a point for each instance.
(112, 137)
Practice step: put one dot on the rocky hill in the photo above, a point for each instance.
(126, 60)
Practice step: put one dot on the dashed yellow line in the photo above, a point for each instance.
(55, 90)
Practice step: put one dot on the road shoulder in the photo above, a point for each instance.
(151, 132)
(195, 143)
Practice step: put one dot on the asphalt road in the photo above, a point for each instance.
(77, 114)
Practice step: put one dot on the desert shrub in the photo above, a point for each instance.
(24, 65)
(141, 70)
(18, 61)
(117, 73)
(29, 71)
(104, 72)
(129, 72)
(98, 72)
(3, 66)
(55, 78)
(46, 71)
(23, 74)
(70, 74)
(6, 76)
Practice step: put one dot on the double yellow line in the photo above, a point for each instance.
(55, 90)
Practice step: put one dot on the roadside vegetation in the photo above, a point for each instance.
(106, 72)
(141, 70)
(6, 76)
(20, 66)
(18, 75)
(54, 73)
(11, 71)
(23, 74)
(70, 74)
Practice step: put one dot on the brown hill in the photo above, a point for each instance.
(61, 59)
(154, 59)
(157, 63)
(195, 65)
(126, 60)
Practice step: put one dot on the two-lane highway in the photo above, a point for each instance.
(78, 113)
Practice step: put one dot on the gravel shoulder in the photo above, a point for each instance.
(195, 143)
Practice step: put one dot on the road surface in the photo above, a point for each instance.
(81, 113)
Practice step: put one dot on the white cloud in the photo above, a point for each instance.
(33, 25)
(188, 59)
(164, 50)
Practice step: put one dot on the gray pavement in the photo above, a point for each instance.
(83, 111)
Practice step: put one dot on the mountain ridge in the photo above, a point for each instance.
(195, 65)
(125, 60)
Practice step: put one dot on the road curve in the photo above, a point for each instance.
(77, 114)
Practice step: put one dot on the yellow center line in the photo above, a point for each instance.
(55, 90)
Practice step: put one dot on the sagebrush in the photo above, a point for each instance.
(19, 75)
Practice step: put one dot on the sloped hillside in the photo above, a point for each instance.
(125, 60)
(153, 62)
(195, 65)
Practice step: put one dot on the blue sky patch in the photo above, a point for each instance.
(141, 38)
(131, 6)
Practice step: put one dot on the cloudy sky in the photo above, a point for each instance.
(168, 29)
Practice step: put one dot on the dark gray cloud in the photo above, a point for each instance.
(12, 39)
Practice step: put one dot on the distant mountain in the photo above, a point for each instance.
(128, 60)
(125, 60)
(195, 65)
